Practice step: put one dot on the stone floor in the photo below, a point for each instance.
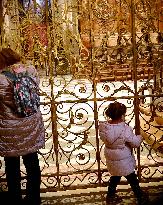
(95, 197)
(98, 197)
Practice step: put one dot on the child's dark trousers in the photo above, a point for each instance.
(132, 180)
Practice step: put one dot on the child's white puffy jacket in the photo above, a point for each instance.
(119, 140)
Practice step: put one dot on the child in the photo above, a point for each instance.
(119, 140)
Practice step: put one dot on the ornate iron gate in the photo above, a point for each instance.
(90, 53)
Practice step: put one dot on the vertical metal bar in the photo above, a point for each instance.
(134, 64)
(55, 136)
(1, 22)
(96, 130)
(78, 30)
(91, 35)
(54, 11)
(94, 87)
(51, 31)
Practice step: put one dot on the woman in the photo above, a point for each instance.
(19, 136)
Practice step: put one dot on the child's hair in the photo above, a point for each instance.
(115, 110)
(8, 57)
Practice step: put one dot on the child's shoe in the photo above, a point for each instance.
(143, 199)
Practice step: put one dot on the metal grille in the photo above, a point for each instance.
(89, 53)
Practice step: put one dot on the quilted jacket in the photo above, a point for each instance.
(119, 140)
(18, 136)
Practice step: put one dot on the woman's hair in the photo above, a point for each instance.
(2, 61)
(8, 57)
(115, 110)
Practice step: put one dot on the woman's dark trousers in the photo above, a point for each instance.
(132, 180)
(13, 176)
